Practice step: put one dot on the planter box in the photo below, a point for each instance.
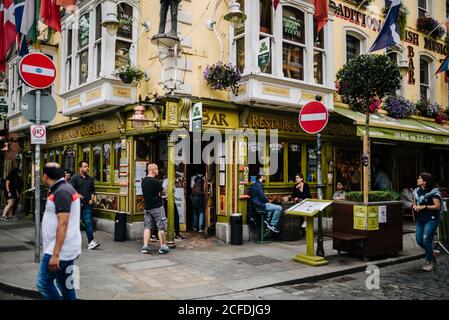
(385, 241)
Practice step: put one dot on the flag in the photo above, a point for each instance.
(70, 5)
(444, 65)
(50, 14)
(33, 32)
(29, 16)
(276, 3)
(22, 46)
(8, 30)
(389, 34)
(321, 14)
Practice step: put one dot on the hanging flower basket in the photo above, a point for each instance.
(129, 74)
(399, 107)
(222, 76)
(428, 109)
(427, 24)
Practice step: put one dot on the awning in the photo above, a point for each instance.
(410, 130)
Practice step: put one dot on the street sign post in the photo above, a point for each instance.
(48, 107)
(38, 134)
(313, 118)
(37, 71)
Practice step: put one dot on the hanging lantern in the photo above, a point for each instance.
(139, 119)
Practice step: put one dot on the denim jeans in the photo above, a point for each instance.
(45, 281)
(86, 217)
(273, 213)
(198, 212)
(425, 231)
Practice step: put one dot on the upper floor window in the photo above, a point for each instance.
(353, 47)
(83, 48)
(423, 8)
(318, 56)
(424, 80)
(124, 35)
(266, 33)
(239, 40)
(293, 46)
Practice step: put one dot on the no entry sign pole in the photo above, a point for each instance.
(319, 185)
(39, 72)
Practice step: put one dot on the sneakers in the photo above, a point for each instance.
(164, 249)
(153, 238)
(179, 238)
(428, 266)
(145, 249)
(4, 218)
(273, 228)
(201, 231)
(93, 244)
(266, 223)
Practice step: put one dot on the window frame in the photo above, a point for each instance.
(425, 10)
(421, 83)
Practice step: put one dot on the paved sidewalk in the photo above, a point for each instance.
(197, 268)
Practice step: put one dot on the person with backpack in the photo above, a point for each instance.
(428, 204)
(198, 183)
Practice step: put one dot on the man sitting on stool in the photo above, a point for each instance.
(259, 199)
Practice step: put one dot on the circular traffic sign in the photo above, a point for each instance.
(38, 131)
(313, 117)
(37, 70)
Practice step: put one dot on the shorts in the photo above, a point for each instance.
(156, 217)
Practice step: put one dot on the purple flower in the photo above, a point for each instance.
(399, 108)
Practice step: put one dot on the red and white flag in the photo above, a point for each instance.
(7, 30)
(321, 13)
(50, 14)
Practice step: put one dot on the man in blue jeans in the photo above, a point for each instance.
(61, 237)
(260, 200)
(84, 185)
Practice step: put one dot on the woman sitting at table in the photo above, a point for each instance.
(301, 190)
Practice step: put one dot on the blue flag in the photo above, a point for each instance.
(18, 13)
(389, 34)
(444, 66)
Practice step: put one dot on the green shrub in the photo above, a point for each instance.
(373, 196)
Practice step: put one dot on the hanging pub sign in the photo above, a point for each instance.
(264, 52)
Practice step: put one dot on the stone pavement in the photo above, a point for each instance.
(405, 281)
(197, 268)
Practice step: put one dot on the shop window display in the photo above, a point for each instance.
(347, 169)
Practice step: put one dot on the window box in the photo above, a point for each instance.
(427, 24)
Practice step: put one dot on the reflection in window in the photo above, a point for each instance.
(122, 57)
(294, 161)
(277, 154)
(256, 152)
(293, 43)
(240, 44)
(117, 155)
(318, 67)
(311, 164)
(125, 17)
(424, 83)
(293, 61)
(266, 16)
(352, 47)
(83, 48)
(86, 153)
(97, 162)
(106, 162)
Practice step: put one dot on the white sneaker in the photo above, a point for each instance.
(93, 244)
(304, 224)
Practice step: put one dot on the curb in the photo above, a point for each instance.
(33, 294)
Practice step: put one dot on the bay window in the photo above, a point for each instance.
(83, 48)
(124, 35)
(68, 60)
(239, 40)
(318, 56)
(266, 34)
(293, 46)
(98, 39)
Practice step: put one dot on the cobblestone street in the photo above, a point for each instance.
(399, 282)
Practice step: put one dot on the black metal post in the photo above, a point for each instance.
(320, 249)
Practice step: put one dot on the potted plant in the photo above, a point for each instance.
(427, 24)
(129, 74)
(222, 76)
(368, 229)
(399, 107)
(428, 109)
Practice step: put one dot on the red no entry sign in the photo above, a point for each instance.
(313, 117)
(37, 70)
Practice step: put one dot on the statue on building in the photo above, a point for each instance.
(165, 4)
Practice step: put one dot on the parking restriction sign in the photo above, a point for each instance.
(38, 134)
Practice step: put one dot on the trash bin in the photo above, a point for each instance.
(236, 228)
(120, 226)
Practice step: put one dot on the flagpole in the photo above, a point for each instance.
(437, 27)
(361, 5)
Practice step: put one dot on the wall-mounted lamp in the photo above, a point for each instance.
(139, 118)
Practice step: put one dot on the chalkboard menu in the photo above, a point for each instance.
(69, 159)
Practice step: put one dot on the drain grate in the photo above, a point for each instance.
(257, 260)
(16, 226)
(13, 249)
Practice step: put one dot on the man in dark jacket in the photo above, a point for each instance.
(84, 185)
(259, 199)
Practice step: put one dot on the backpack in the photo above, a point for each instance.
(198, 186)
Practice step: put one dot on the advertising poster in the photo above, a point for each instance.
(360, 215)
(373, 218)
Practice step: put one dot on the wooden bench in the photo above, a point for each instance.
(344, 236)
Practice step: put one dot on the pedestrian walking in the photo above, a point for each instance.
(12, 187)
(84, 185)
(154, 209)
(61, 237)
(428, 205)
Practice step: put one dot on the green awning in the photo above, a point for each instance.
(410, 130)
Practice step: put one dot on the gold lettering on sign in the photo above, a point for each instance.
(214, 118)
(308, 96)
(92, 95)
(172, 114)
(259, 122)
(92, 129)
(121, 92)
(277, 91)
(73, 101)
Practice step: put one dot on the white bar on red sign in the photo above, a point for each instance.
(313, 117)
(38, 70)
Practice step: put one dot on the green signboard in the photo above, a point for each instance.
(409, 136)
(292, 26)
(264, 52)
